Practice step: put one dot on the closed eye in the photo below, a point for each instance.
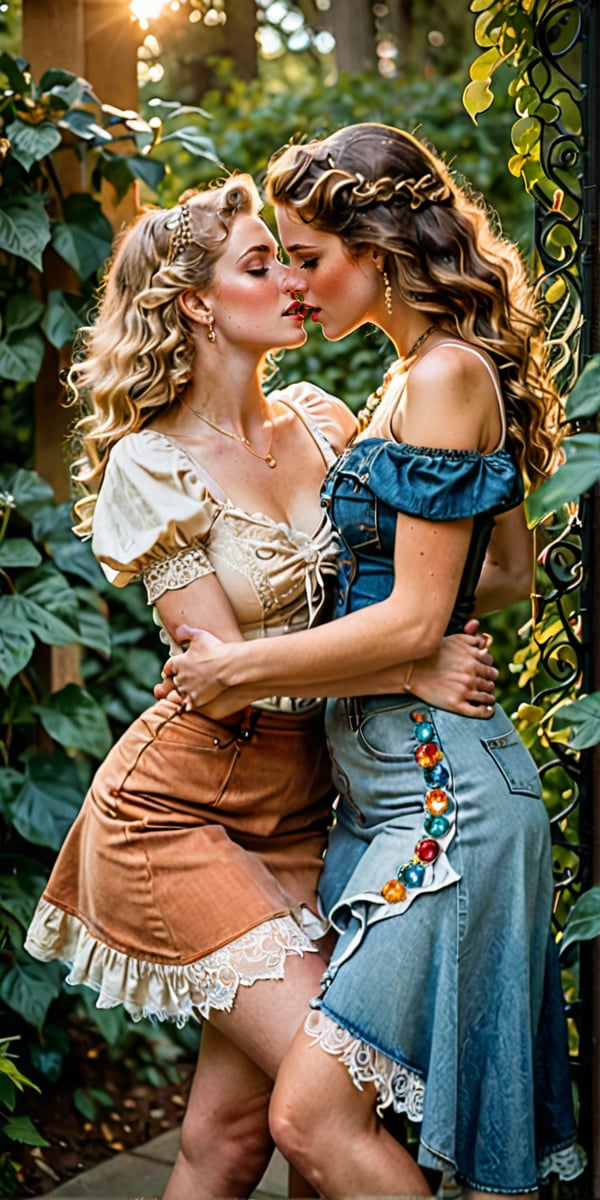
(308, 264)
(257, 271)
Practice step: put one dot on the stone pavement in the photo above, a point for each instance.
(142, 1174)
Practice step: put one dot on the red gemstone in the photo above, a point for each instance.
(428, 755)
(427, 850)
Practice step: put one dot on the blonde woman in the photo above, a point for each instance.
(442, 998)
(187, 886)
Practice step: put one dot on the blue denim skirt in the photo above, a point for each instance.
(438, 879)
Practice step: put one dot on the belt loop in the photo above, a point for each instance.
(353, 712)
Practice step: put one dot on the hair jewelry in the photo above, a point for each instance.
(181, 236)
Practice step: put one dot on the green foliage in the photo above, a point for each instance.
(13, 1127)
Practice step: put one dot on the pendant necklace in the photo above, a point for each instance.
(374, 400)
(235, 437)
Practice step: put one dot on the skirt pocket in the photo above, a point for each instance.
(384, 733)
(514, 763)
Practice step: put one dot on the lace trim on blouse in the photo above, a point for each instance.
(176, 571)
(171, 992)
(404, 1090)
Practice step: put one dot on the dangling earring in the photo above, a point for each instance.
(387, 295)
(211, 335)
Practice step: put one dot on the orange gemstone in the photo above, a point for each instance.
(436, 801)
(393, 891)
(428, 755)
(418, 716)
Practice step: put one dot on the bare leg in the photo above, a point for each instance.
(329, 1130)
(225, 1142)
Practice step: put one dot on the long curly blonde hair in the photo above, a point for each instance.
(138, 355)
(374, 185)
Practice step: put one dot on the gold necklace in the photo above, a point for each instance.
(374, 400)
(235, 437)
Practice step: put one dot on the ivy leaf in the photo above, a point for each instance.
(30, 987)
(22, 310)
(22, 1129)
(16, 646)
(49, 800)
(25, 228)
(21, 355)
(122, 169)
(584, 399)
(576, 475)
(19, 552)
(584, 919)
(30, 491)
(74, 719)
(11, 67)
(84, 239)
(8, 1092)
(30, 143)
(477, 98)
(61, 319)
(583, 716)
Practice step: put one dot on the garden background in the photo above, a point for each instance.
(219, 87)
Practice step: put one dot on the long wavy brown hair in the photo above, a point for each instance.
(374, 185)
(138, 355)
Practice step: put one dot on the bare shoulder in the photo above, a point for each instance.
(451, 392)
(333, 417)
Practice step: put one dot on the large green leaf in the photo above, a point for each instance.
(19, 899)
(48, 801)
(16, 646)
(25, 228)
(30, 491)
(576, 475)
(122, 169)
(29, 143)
(584, 919)
(21, 616)
(29, 988)
(11, 67)
(583, 716)
(85, 125)
(61, 319)
(22, 310)
(584, 399)
(19, 552)
(55, 77)
(92, 626)
(21, 354)
(81, 245)
(74, 719)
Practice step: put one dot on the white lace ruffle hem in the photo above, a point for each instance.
(404, 1090)
(165, 991)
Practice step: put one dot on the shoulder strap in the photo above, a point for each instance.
(313, 427)
(494, 378)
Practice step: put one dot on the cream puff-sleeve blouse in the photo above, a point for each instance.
(160, 517)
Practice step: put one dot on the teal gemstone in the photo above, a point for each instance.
(413, 875)
(436, 826)
(424, 732)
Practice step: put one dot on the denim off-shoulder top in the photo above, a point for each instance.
(375, 479)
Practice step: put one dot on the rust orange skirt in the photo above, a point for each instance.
(193, 833)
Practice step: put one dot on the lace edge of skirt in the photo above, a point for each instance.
(167, 991)
(397, 1085)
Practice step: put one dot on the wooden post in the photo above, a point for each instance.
(97, 40)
